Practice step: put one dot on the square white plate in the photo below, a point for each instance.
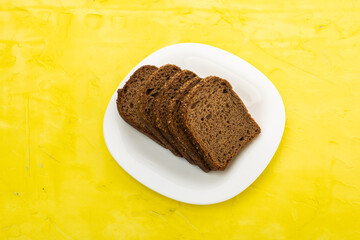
(171, 176)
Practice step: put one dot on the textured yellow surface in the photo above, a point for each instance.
(60, 62)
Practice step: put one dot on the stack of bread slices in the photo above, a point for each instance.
(200, 119)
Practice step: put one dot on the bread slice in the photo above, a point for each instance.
(217, 121)
(167, 93)
(176, 126)
(128, 100)
(149, 94)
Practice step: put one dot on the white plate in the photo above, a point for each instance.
(171, 176)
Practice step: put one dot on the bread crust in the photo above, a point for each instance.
(128, 100)
(149, 94)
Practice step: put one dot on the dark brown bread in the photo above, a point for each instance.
(217, 121)
(176, 127)
(182, 112)
(128, 100)
(149, 94)
(167, 93)
(171, 119)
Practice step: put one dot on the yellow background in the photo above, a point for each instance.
(60, 62)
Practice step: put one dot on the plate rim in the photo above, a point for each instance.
(156, 188)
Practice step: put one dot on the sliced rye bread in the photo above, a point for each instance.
(149, 94)
(128, 100)
(217, 121)
(161, 103)
(176, 127)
